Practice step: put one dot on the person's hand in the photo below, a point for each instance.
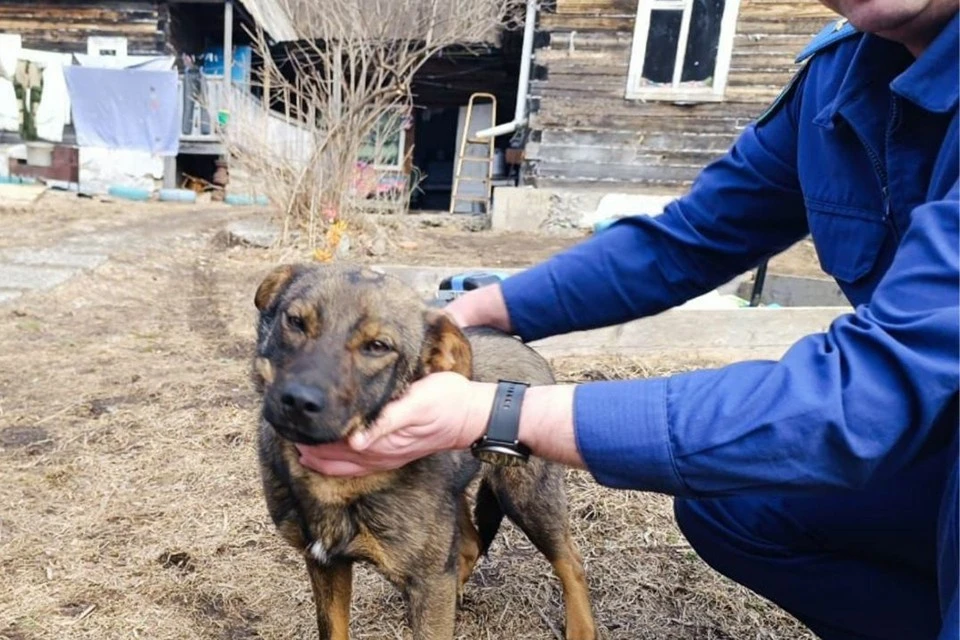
(481, 307)
(440, 412)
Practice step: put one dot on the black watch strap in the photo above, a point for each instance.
(504, 424)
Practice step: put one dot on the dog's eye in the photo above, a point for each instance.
(376, 348)
(296, 322)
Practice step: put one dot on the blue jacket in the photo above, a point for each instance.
(862, 154)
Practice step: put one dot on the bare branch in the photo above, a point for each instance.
(339, 92)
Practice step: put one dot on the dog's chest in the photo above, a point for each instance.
(341, 533)
(331, 530)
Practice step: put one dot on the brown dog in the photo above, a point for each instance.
(334, 345)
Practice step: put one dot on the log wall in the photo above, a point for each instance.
(586, 134)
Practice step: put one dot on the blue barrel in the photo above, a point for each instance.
(243, 200)
(129, 193)
(17, 180)
(177, 195)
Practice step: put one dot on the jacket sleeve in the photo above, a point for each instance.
(744, 207)
(863, 399)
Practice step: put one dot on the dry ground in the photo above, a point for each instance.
(417, 239)
(131, 503)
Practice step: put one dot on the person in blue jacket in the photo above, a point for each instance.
(825, 481)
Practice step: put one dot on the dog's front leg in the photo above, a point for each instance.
(432, 599)
(332, 585)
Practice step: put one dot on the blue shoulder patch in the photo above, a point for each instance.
(833, 32)
(830, 34)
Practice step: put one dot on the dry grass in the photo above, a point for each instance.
(132, 504)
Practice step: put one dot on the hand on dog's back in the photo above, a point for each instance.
(481, 307)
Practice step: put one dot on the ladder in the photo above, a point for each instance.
(483, 175)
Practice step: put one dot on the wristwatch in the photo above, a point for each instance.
(499, 445)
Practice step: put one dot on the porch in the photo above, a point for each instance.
(203, 113)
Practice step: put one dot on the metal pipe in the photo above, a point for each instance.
(499, 130)
(227, 44)
(526, 61)
(758, 281)
(523, 83)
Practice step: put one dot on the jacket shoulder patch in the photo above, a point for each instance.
(832, 33)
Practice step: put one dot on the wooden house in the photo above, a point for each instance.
(66, 27)
(638, 96)
(187, 31)
(188, 36)
(423, 151)
(179, 30)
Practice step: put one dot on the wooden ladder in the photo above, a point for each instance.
(468, 143)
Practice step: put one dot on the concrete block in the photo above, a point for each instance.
(740, 333)
(519, 209)
(563, 210)
(31, 277)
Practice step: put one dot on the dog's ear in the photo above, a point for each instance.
(445, 348)
(273, 285)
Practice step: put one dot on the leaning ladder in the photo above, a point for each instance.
(467, 144)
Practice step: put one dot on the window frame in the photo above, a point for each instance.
(672, 93)
(402, 142)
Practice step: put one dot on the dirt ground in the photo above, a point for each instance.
(130, 490)
(416, 239)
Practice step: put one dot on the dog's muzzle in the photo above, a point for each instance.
(296, 411)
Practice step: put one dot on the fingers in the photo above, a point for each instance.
(362, 439)
(483, 306)
(403, 412)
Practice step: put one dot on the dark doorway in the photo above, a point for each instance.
(434, 152)
(196, 166)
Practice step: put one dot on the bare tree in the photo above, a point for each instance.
(337, 92)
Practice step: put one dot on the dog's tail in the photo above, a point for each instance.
(488, 514)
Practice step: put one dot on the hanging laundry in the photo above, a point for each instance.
(125, 109)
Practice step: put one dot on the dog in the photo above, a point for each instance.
(334, 345)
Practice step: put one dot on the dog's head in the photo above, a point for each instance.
(335, 344)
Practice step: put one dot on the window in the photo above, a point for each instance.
(385, 145)
(681, 50)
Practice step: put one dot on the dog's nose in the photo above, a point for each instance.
(305, 399)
